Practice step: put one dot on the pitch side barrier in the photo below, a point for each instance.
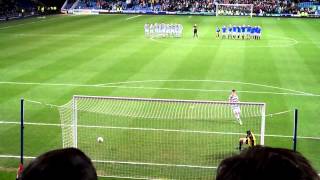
(102, 11)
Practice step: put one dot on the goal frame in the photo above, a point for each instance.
(234, 5)
(75, 97)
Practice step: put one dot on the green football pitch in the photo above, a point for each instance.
(51, 59)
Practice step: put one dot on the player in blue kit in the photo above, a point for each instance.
(255, 34)
(253, 30)
(234, 31)
(258, 32)
(224, 32)
(230, 32)
(238, 32)
(248, 31)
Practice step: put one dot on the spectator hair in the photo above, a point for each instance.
(60, 164)
(265, 163)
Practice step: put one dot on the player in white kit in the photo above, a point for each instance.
(146, 30)
(233, 98)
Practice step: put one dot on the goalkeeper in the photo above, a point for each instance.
(250, 139)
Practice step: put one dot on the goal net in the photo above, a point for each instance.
(234, 9)
(157, 138)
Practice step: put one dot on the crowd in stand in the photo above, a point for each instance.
(259, 6)
(10, 9)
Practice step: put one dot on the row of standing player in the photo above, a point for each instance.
(163, 30)
(239, 32)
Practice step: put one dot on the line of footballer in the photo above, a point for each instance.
(239, 32)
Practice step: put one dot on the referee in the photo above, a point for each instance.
(195, 31)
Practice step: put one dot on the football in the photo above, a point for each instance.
(100, 140)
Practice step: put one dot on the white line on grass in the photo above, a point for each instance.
(15, 156)
(211, 81)
(132, 17)
(288, 38)
(123, 177)
(291, 42)
(67, 35)
(156, 164)
(112, 85)
(156, 129)
(21, 24)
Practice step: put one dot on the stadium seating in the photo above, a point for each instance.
(24, 8)
(260, 6)
(14, 8)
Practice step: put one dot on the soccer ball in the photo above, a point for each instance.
(100, 140)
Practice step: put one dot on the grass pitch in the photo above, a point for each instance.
(51, 59)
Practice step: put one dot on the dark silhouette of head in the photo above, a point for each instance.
(265, 163)
(249, 132)
(61, 164)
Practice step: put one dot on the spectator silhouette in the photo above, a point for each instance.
(61, 164)
(265, 163)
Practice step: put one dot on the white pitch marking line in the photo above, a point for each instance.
(132, 17)
(123, 177)
(156, 164)
(14, 156)
(128, 162)
(297, 93)
(32, 22)
(156, 129)
(214, 81)
(291, 42)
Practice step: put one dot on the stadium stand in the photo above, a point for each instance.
(262, 7)
(25, 8)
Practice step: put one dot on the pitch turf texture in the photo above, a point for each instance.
(58, 54)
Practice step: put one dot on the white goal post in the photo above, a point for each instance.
(234, 9)
(149, 138)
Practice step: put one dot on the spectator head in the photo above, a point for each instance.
(61, 164)
(265, 163)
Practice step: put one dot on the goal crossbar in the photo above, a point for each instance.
(233, 4)
(166, 100)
